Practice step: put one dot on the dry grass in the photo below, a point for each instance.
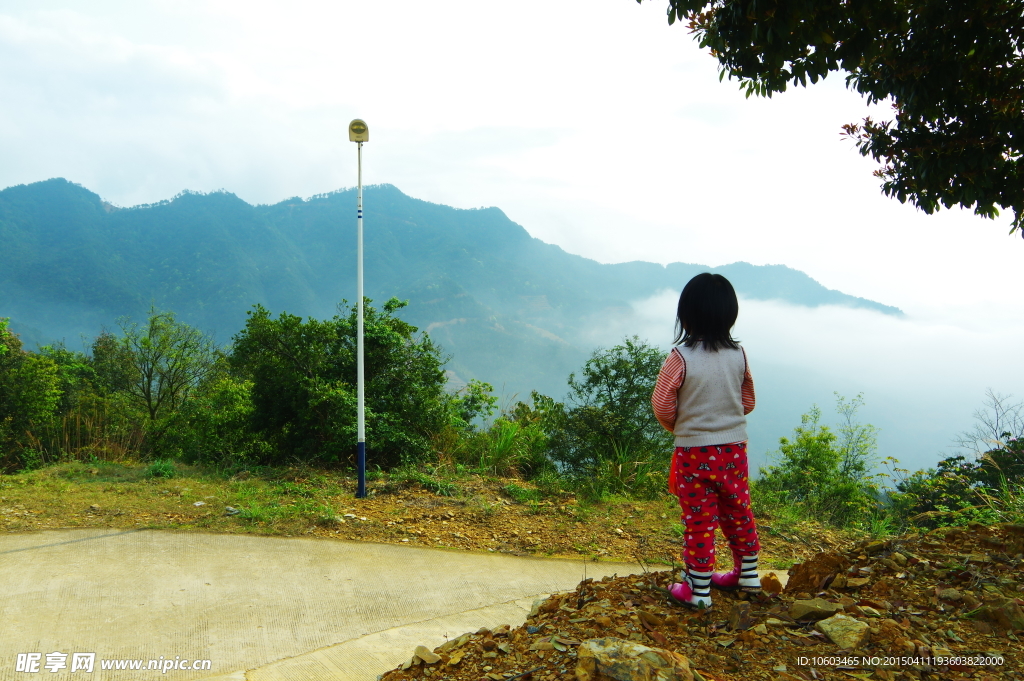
(474, 513)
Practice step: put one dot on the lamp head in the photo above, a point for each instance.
(358, 132)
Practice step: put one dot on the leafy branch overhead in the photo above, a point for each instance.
(953, 72)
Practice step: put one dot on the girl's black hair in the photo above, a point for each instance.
(707, 312)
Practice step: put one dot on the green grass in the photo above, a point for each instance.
(522, 495)
(161, 469)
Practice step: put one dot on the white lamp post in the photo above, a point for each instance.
(359, 133)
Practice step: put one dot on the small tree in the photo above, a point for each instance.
(608, 434)
(113, 364)
(826, 473)
(170, 360)
(857, 442)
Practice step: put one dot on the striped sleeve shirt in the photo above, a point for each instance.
(670, 379)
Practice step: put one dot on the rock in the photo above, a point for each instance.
(426, 655)
(857, 582)
(814, 609)
(839, 582)
(952, 595)
(651, 618)
(874, 547)
(881, 588)
(890, 635)
(739, 616)
(845, 631)
(884, 606)
(614, 658)
(761, 629)
(1006, 614)
(771, 584)
(899, 558)
(811, 575)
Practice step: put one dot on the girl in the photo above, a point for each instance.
(703, 394)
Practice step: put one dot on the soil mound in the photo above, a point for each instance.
(944, 605)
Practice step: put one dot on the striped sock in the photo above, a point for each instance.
(700, 582)
(748, 571)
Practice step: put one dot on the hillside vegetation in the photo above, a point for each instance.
(508, 308)
(282, 395)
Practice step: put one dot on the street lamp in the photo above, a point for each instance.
(359, 133)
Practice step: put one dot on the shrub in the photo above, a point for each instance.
(608, 440)
(215, 426)
(984, 485)
(824, 474)
(161, 468)
(30, 395)
(303, 376)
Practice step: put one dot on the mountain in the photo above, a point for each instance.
(509, 308)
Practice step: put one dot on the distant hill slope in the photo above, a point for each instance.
(510, 308)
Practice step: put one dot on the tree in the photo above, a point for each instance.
(857, 442)
(29, 395)
(952, 70)
(609, 434)
(113, 364)
(825, 471)
(170, 360)
(303, 377)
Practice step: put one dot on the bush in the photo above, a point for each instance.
(303, 386)
(824, 474)
(161, 468)
(983, 486)
(215, 426)
(608, 440)
(30, 395)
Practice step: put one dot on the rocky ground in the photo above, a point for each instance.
(942, 605)
(903, 603)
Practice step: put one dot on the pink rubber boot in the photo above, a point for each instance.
(694, 590)
(742, 576)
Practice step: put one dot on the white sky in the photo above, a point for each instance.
(592, 123)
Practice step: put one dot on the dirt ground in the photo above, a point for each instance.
(951, 593)
(478, 515)
(940, 606)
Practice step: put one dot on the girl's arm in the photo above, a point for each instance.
(747, 388)
(666, 390)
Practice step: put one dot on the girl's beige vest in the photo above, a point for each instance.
(710, 401)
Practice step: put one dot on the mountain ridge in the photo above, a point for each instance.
(510, 308)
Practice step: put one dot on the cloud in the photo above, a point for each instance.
(922, 379)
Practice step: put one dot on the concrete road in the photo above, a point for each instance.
(255, 608)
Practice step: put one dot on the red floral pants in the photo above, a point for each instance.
(712, 485)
